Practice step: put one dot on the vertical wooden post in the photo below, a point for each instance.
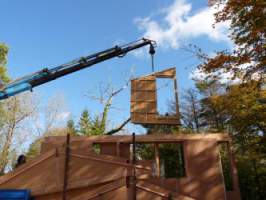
(176, 97)
(67, 152)
(134, 180)
(157, 159)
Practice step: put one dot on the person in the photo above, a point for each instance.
(1, 83)
(21, 160)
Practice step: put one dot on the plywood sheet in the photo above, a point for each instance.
(143, 96)
(143, 107)
(41, 175)
(139, 84)
(203, 170)
(144, 99)
(44, 175)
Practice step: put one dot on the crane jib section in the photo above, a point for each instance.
(27, 83)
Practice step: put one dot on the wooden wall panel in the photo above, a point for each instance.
(144, 100)
(204, 178)
(139, 84)
(144, 107)
(91, 176)
(108, 149)
(143, 96)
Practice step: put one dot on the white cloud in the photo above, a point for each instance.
(224, 77)
(178, 23)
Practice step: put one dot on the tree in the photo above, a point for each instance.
(53, 114)
(71, 128)
(247, 114)
(212, 113)
(190, 110)
(85, 124)
(35, 147)
(238, 110)
(98, 123)
(242, 104)
(50, 120)
(3, 75)
(247, 31)
(3, 60)
(17, 110)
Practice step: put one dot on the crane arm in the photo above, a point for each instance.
(46, 75)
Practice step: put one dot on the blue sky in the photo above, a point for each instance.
(49, 33)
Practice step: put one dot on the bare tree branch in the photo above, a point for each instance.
(119, 128)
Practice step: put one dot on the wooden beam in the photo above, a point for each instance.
(155, 138)
(66, 166)
(157, 159)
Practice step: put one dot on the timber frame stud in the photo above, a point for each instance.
(144, 99)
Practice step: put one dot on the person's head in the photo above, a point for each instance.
(21, 160)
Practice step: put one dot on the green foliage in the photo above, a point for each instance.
(85, 123)
(3, 60)
(145, 151)
(71, 127)
(172, 157)
(34, 149)
(161, 129)
(252, 176)
(247, 114)
(90, 126)
(226, 166)
(35, 146)
(3, 77)
(212, 114)
(97, 127)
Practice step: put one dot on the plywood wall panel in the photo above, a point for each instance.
(203, 171)
(144, 100)
(144, 84)
(144, 107)
(140, 96)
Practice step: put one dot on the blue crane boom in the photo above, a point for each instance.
(28, 82)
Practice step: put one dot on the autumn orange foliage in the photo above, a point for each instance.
(248, 32)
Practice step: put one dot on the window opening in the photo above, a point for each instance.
(172, 159)
(165, 97)
(96, 148)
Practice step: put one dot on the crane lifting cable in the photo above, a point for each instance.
(27, 83)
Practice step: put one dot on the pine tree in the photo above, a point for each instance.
(71, 127)
(85, 123)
